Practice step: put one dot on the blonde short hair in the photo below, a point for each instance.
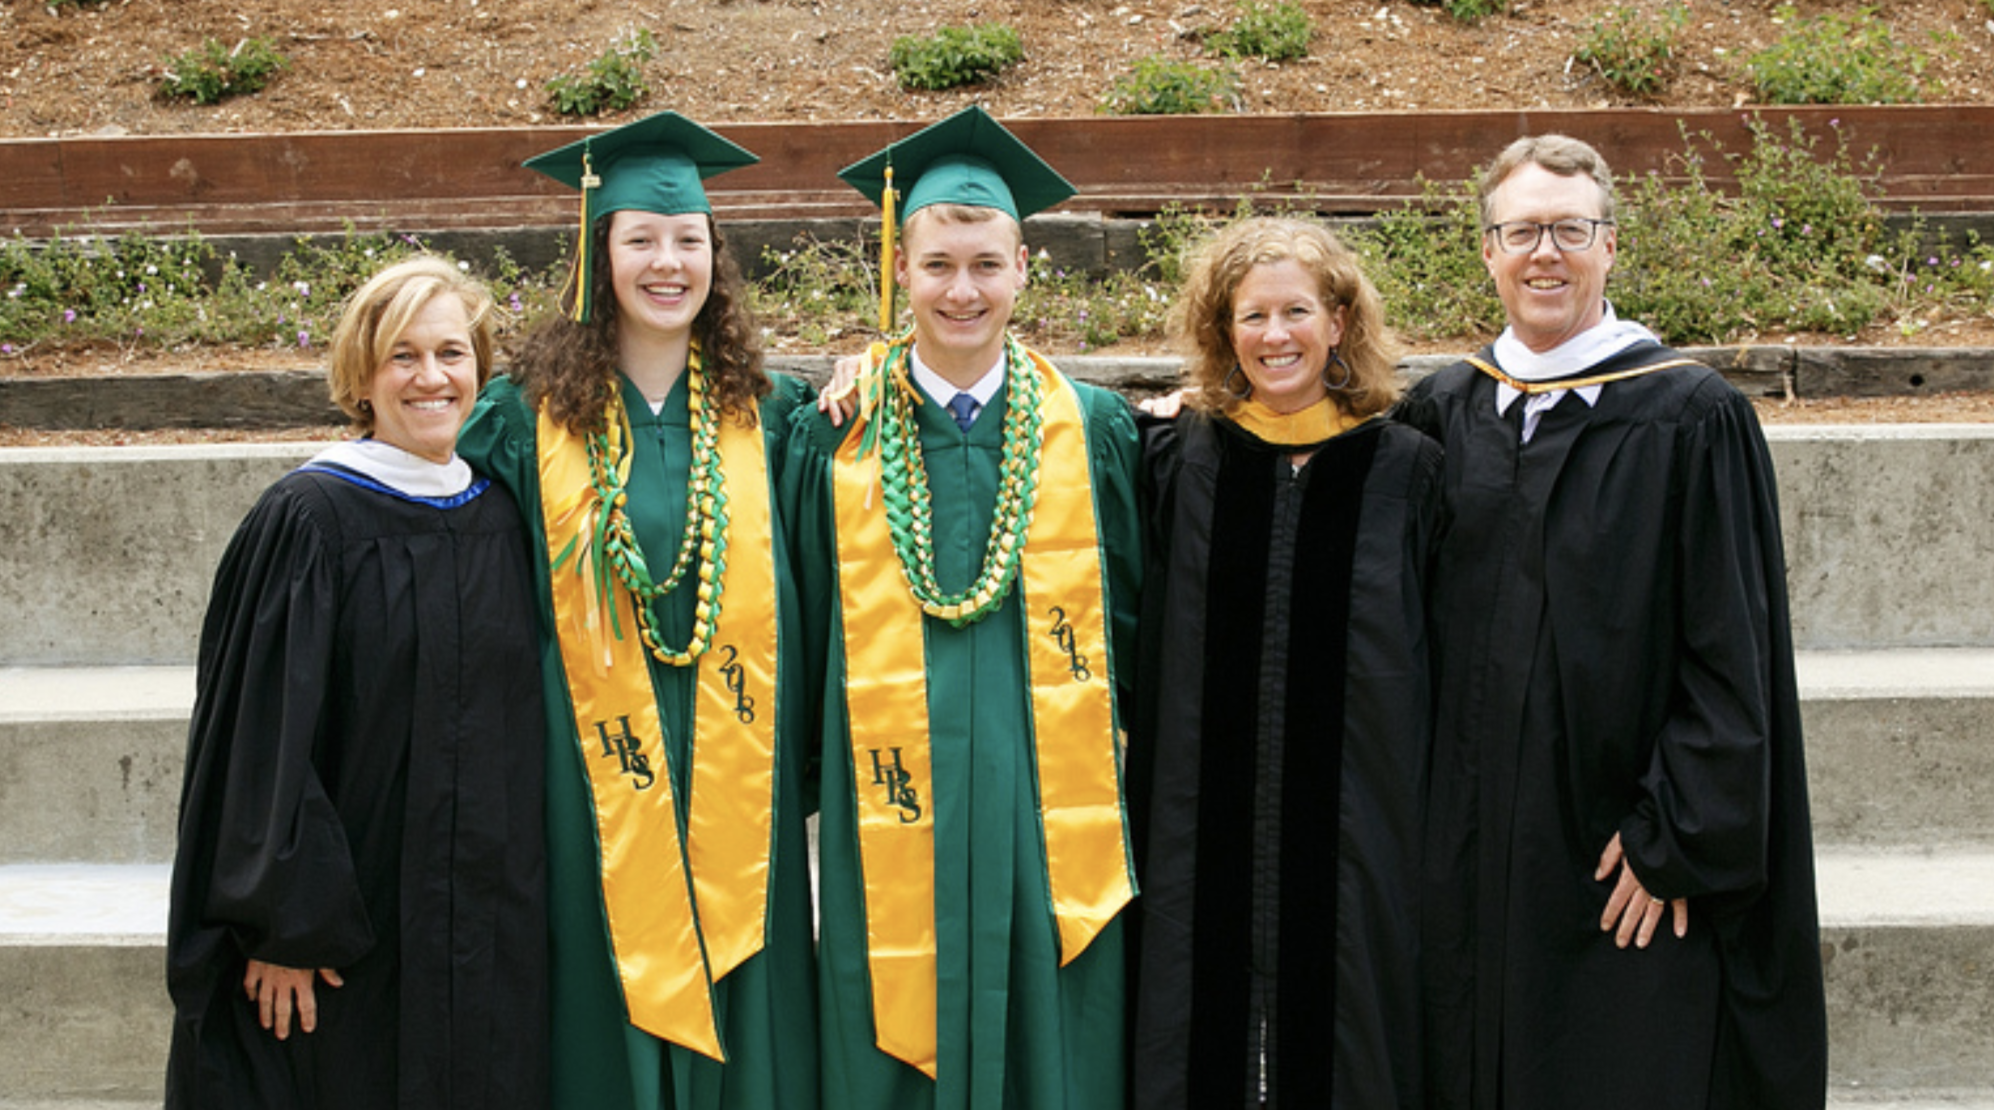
(948, 213)
(379, 312)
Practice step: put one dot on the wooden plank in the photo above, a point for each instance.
(1934, 158)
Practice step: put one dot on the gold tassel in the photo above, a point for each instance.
(886, 256)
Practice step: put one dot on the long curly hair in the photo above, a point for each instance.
(1201, 318)
(571, 368)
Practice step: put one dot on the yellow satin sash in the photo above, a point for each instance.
(1321, 421)
(1062, 597)
(680, 915)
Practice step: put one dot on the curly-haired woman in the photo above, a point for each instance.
(1284, 719)
(635, 431)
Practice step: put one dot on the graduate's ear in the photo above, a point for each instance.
(1024, 265)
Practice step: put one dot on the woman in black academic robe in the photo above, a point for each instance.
(358, 912)
(1280, 754)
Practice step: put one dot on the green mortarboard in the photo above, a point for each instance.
(968, 158)
(653, 165)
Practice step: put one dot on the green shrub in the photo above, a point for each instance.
(613, 81)
(1467, 11)
(213, 73)
(955, 56)
(1831, 59)
(1278, 33)
(1159, 86)
(1633, 51)
(817, 291)
(1425, 259)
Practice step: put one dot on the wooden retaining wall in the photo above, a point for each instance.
(1935, 158)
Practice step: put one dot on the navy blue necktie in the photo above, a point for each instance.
(963, 407)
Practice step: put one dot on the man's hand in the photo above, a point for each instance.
(839, 399)
(1631, 907)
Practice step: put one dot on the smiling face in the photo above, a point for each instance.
(1549, 295)
(422, 391)
(1282, 334)
(662, 270)
(962, 280)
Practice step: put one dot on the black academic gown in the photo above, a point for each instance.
(1278, 767)
(363, 792)
(1614, 656)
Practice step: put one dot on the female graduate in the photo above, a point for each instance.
(1284, 694)
(358, 901)
(635, 434)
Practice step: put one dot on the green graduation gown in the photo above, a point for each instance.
(766, 1007)
(1014, 1029)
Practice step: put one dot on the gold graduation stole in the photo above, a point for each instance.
(681, 913)
(1062, 597)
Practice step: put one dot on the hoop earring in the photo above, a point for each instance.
(1236, 394)
(1336, 356)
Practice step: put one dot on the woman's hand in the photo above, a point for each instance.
(281, 991)
(1165, 405)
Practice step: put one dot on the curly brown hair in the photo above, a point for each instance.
(571, 368)
(1201, 318)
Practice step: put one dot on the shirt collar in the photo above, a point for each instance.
(1589, 348)
(941, 389)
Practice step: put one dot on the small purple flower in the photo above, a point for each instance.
(517, 305)
(304, 339)
(6, 348)
(68, 315)
(1778, 222)
(141, 287)
(1931, 261)
(1806, 229)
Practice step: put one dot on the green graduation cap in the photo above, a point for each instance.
(968, 158)
(655, 165)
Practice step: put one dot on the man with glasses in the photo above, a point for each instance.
(1620, 890)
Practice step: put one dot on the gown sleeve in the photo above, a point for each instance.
(263, 870)
(1116, 448)
(808, 515)
(1701, 826)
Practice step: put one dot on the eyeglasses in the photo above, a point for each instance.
(1522, 236)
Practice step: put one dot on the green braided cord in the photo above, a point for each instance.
(910, 509)
(705, 533)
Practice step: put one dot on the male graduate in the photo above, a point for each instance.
(1620, 902)
(968, 550)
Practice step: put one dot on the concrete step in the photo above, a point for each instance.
(1907, 940)
(112, 550)
(83, 973)
(1899, 746)
(90, 761)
